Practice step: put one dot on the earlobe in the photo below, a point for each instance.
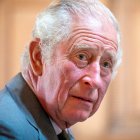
(35, 57)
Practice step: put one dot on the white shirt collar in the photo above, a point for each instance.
(56, 127)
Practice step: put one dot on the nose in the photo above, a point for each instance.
(92, 77)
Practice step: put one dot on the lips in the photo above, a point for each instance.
(83, 99)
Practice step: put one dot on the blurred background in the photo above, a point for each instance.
(119, 115)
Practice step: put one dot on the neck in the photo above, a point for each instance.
(60, 122)
(31, 79)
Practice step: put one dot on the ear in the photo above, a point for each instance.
(35, 57)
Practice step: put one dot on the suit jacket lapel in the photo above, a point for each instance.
(30, 106)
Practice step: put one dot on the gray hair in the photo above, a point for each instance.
(54, 24)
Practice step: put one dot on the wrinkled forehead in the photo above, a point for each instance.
(98, 25)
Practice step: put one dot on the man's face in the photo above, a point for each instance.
(72, 87)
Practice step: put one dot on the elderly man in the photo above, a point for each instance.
(66, 70)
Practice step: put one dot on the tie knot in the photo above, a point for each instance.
(63, 135)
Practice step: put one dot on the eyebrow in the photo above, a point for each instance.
(95, 46)
(111, 54)
(85, 46)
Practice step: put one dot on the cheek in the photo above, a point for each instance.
(48, 86)
(107, 79)
(70, 71)
(70, 75)
(101, 94)
(103, 90)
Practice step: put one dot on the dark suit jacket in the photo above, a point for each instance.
(21, 115)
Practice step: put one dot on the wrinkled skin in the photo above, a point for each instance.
(72, 87)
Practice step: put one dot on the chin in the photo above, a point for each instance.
(83, 118)
(78, 117)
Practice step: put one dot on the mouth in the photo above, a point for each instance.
(83, 99)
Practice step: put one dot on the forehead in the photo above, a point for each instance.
(100, 26)
(92, 32)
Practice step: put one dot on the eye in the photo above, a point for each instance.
(107, 64)
(106, 67)
(82, 57)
